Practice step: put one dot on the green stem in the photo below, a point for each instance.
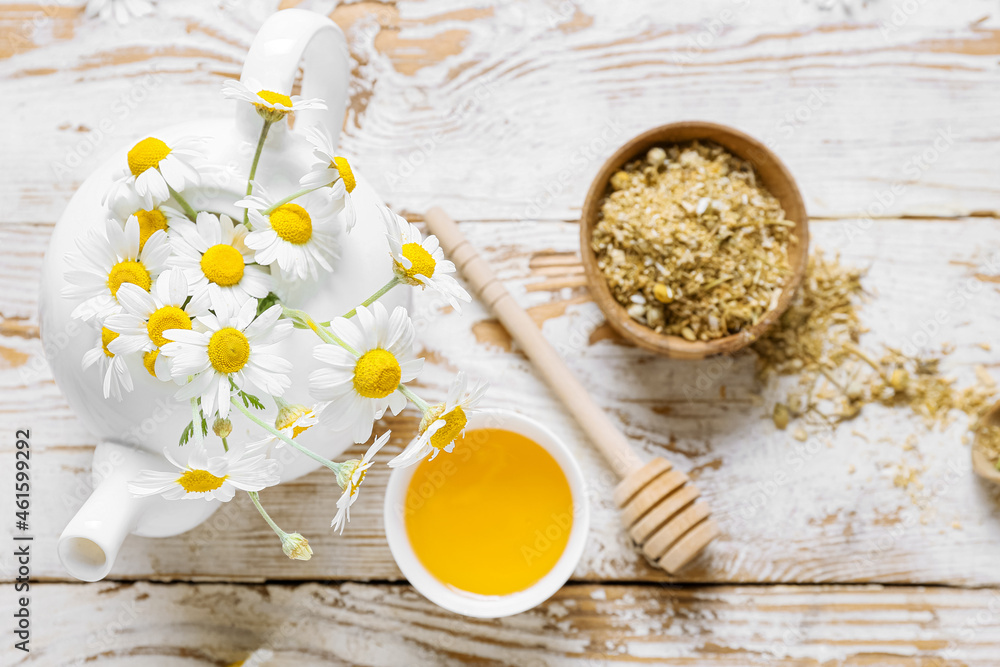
(295, 195)
(320, 330)
(199, 438)
(370, 300)
(253, 167)
(191, 214)
(260, 508)
(417, 401)
(225, 444)
(335, 467)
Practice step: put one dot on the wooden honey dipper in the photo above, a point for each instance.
(659, 505)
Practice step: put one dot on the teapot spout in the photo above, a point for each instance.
(90, 542)
(89, 545)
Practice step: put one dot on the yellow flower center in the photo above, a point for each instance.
(292, 223)
(377, 374)
(228, 350)
(168, 317)
(107, 335)
(146, 154)
(149, 223)
(421, 262)
(346, 173)
(200, 481)
(223, 265)
(345, 477)
(149, 361)
(357, 485)
(287, 416)
(454, 422)
(272, 97)
(129, 271)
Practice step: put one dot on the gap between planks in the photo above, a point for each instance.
(575, 582)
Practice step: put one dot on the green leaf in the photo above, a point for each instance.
(249, 400)
(204, 423)
(252, 400)
(186, 435)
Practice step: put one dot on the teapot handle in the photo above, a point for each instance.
(286, 38)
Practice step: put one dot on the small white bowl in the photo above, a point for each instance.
(491, 606)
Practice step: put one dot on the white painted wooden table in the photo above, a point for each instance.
(886, 112)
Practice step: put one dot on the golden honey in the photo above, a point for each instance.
(493, 517)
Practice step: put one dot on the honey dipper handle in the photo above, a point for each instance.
(604, 434)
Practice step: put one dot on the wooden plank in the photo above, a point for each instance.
(505, 110)
(318, 624)
(827, 510)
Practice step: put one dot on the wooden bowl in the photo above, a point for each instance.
(770, 171)
(980, 463)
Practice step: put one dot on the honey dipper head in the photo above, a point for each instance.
(662, 513)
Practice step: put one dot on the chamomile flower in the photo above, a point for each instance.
(350, 476)
(146, 315)
(331, 171)
(112, 366)
(158, 218)
(271, 106)
(208, 478)
(121, 10)
(107, 261)
(421, 262)
(296, 547)
(361, 387)
(292, 421)
(122, 201)
(154, 168)
(300, 236)
(213, 254)
(443, 423)
(232, 349)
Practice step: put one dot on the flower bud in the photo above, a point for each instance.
(296, 547)
(222, 427)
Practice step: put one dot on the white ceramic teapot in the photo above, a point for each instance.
(133, 433)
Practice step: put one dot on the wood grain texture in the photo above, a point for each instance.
(827, 510)
(501, 112)
(544, 92)
(146, 624)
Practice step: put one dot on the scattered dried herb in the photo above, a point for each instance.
(690, 244)
(818, 339)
